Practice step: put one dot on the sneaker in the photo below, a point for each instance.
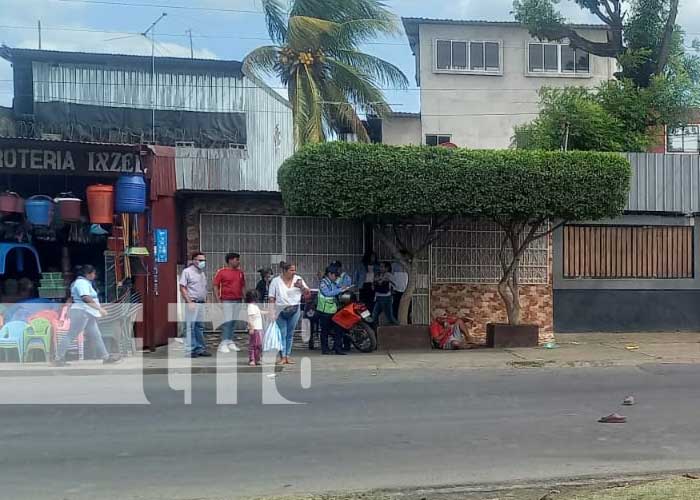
(180, 340)
(223, 348)
(234, 347)
(111, 360)
(204, 354)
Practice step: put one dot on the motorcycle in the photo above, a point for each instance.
(355, 321)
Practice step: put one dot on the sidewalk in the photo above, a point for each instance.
(572, 350)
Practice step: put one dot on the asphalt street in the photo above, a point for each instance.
(353, 431)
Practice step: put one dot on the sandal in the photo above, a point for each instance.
(290, 361)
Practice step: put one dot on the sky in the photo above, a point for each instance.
(224, 29)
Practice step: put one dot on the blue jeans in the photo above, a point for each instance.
(384, 305)
(232, 316)
(82, 321)
(194, 319)
(287, 323)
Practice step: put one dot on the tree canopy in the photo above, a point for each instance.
(315, 54)
(392, 182)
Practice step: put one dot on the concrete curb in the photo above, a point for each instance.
(159, 370)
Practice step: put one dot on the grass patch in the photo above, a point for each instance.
(670, 489)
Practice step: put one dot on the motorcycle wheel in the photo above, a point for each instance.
(363, 337)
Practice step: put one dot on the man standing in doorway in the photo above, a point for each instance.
(400, 283)
(193, 288)
(229, 289)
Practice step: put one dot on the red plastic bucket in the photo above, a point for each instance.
(68, 207)
(100, 200)
(11, 203)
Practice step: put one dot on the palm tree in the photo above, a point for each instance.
(315, 55)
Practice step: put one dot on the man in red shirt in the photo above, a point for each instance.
(229, 288)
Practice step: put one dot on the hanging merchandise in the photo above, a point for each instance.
(136, 250)
(11, 203)
(39, 210)
(100, 199)
(131, 194)
(68, 207)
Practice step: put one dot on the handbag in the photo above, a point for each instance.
(272, 340)
(289, 311)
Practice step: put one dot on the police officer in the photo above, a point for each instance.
(326, 307)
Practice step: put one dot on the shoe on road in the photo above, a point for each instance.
(613, 419)
(233, 347)
(204, 354)
(223, 348)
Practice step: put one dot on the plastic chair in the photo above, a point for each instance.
(61, 329)
(37, 336)
(12, 337)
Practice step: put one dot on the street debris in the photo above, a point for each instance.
(629, 401)
(550, 345)
(613, 418)
(632, 347)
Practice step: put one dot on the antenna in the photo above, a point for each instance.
(154, 97)
(189, 32)
(38, 27)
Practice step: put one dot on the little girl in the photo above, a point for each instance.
(255, 328)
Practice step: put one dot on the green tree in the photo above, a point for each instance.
(316, 56)
(528, 193)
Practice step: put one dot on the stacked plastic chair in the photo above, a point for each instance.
(37, 336)
(12, 338)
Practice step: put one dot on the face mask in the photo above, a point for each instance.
(201, 264)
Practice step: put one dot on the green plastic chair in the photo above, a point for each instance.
(37, 336)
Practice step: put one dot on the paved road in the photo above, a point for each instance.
(357, 431)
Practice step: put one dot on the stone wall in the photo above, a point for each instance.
(483, 304)
(230, 203)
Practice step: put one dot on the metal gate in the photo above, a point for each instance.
(264, 240)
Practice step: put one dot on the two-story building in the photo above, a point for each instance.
(480, 79)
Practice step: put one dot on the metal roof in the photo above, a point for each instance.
(404, 114)
(415, 21)
(55, 56)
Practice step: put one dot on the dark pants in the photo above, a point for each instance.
(367, 296)
(329, 328)
(397, 302)
(384, 305)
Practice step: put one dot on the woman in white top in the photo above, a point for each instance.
(286, 292)
(84, 312)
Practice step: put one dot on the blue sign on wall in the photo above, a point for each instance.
(161, 250)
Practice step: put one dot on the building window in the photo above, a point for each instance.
(628, 252)
(455, 55)
(556, 58)
(684, 139)
(436, 140)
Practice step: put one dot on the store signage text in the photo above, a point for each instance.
(70, 162)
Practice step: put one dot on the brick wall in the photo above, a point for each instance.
(483, 304)
(194, 205)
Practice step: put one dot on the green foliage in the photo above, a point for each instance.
(372, 180)
(316, 55)
(577, 118)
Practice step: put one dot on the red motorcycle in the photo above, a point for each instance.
(355, 321)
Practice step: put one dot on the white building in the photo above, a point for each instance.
(479, 79)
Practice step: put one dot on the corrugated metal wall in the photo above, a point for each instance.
(268, 116)
(664, 183)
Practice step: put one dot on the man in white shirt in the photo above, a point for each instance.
(400, 282)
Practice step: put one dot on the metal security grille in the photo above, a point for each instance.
(264, 240)
(468, 252)
(412, 236)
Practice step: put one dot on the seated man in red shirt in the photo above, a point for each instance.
(450, 333)
(229, 288)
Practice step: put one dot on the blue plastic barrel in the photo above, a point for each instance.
(131, 195)
(39, 210)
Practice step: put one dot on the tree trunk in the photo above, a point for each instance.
(667, 40)
(407, 297)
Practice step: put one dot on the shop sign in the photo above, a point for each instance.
(161, 250)
(75, 162)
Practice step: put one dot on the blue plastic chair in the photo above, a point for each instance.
(12, 337)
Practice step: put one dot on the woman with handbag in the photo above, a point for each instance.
(286, 292)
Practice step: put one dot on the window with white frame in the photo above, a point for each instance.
(555, 58)
(436, 140)
(683, 139)
(466, 56)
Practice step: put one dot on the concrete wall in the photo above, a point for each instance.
(627, 305)
(402, 130)
(481, 110)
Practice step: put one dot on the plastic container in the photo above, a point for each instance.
(347, 317)
(11, 203)
(131, 195)
(39, 210)
(68, 207)
(100, 200)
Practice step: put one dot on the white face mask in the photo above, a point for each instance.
(201, 264)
